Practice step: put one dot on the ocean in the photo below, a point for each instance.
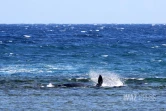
(130, 57)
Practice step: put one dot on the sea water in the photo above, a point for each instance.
(130, 57)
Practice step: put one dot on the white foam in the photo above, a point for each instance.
(131, 78)
(27, 36)
(101, 27)
(159, 60)
(109, 79)
(52, 67)
(155, 47)
(104, 55)
(19, 69)
(60, 67)
(140, 78)
(50, 85)
(83, 31)
(97, 30)
(120, 28)
(163, 44)
(26, 26)
(42, 86)
(35, 68)
(80, 78)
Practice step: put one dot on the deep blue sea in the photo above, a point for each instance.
(34, 58)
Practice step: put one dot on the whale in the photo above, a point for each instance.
(99, 84)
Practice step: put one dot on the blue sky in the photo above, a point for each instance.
(82, 11)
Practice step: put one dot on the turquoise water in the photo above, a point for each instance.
(131, 59)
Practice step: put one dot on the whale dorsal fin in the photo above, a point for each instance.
(100, 81)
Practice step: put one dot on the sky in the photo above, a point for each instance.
(82, 11)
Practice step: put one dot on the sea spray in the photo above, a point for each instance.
(110, 79)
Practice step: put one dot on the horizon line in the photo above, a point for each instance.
(77, 23)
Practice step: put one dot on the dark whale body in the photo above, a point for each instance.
(100, 82)
(73, 85)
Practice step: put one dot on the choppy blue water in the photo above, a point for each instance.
(131, 59)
